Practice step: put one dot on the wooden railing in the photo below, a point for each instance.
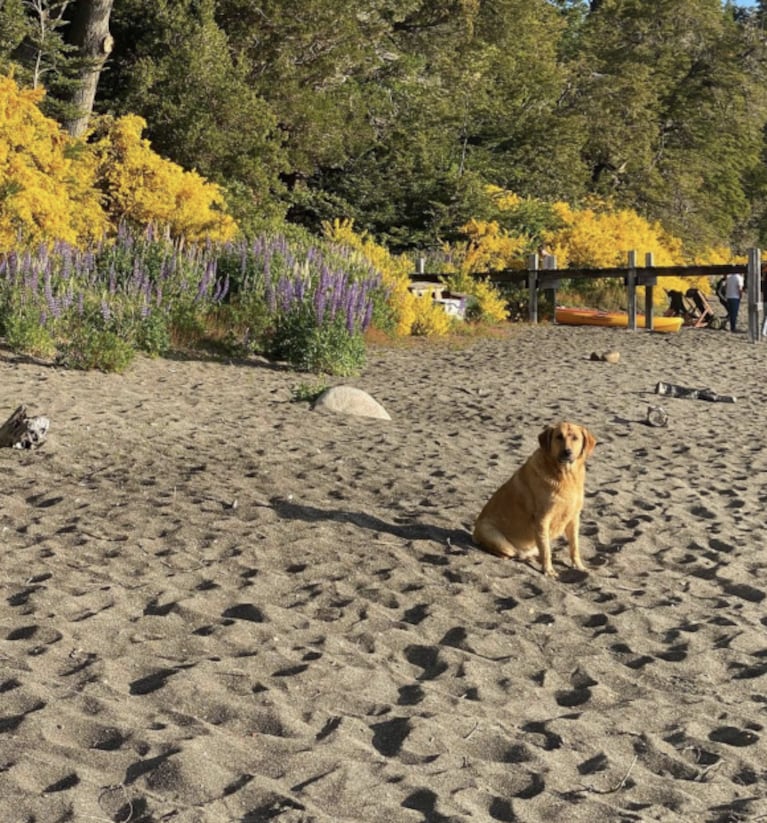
(543, 275)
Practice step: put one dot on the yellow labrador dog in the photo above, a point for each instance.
(542, 500)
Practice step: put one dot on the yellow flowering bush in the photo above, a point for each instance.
(143, 188)
(490, 304)
(429, 320)
(504, 199)
(47, 180)
(597, 237)
(53, 187)
(491, 248)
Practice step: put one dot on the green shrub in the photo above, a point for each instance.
(308, 392)
(325, 349)
(26, 335)
(93, 348)
(152, 335)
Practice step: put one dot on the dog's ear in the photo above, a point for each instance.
(544, 438)
(589, 441)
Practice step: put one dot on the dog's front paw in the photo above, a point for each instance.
(551, 572)
(581, 568)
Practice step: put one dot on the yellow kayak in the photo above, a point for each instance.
(614, 319)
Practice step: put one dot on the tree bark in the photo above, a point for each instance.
(89, 32)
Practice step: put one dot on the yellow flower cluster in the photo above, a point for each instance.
(47, 187)
(142, 187)
(491, 248)
(491, 306)
(53, 187)
(598, 237)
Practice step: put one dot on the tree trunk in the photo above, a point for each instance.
(89, 32)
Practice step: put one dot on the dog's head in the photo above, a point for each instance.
(567, 442)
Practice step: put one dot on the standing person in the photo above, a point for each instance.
(733, 292)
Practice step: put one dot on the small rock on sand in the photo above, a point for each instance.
(607, 357)
(349, 400)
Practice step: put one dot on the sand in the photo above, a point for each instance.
(217, 604)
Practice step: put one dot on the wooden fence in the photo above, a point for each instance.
(542, 275)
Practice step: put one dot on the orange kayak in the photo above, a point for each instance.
(613, 319)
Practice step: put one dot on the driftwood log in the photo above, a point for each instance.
(22, 432)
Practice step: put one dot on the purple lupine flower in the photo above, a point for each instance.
(204, 285)
(320, 300)
(368, 318)
(269, 294)
(50, 299)
(350, 308)
(222, 289)
(137, 275)
(66, 262)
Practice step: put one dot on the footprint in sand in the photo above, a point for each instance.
(550, 740)
(410, 695)
(389, 736)
(733, 736)
(416, 614)
(744, 591)
(69, 781)
(426, 658)
(580, 693)
(598, 763)
(152, 682)
(244, 611)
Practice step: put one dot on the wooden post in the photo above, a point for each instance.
(631, 290)
(420, 267)
(532, 285)
(550, 264)
(754, 292)
(649, 262)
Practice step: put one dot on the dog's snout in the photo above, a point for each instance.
(567, 454)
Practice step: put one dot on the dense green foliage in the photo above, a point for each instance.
(397, 113)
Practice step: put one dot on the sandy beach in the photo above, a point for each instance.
(217, 604)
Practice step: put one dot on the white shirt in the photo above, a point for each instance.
(734, 285)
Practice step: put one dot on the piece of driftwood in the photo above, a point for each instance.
(671, 390)
(22, 432)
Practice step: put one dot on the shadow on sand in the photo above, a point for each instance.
(455, 538)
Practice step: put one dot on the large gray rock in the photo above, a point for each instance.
(348, 400)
